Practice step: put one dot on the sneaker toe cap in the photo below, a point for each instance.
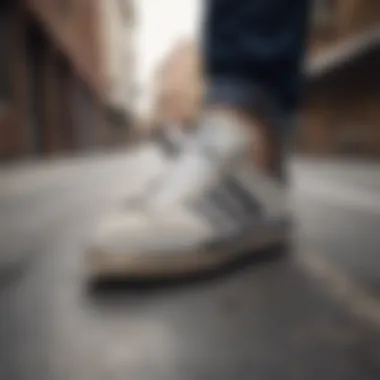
(143, 234)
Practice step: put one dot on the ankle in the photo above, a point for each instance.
(266, 145)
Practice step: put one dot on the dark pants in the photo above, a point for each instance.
(253, 54)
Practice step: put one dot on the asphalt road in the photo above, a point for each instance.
(312, 315)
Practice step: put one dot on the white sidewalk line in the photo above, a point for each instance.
(339, 194)
(359, 301)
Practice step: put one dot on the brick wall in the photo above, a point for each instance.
(336, 20)
(341, 111)
(74, 25)
(13, 102)
(116, 37)
(178, 85)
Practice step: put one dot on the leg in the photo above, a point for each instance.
(253, 52)
(214, 205)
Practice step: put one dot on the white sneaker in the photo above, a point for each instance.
(156, 154)
(210, 208)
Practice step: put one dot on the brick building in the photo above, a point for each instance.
(334, 21)
(341, 108)
(62, 74)
(180, 70)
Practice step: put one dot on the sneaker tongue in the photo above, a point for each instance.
(191, 175)
(215, 149)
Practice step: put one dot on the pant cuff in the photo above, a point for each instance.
(253, 99)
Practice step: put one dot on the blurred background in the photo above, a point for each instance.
(87, 75)
(80, 83)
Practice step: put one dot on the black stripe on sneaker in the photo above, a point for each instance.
(216, 217)
(247, 199)
(230, 204)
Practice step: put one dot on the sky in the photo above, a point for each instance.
(160, 23)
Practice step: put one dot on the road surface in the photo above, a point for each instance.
(313, 315)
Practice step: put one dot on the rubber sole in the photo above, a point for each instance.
(102, 264)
